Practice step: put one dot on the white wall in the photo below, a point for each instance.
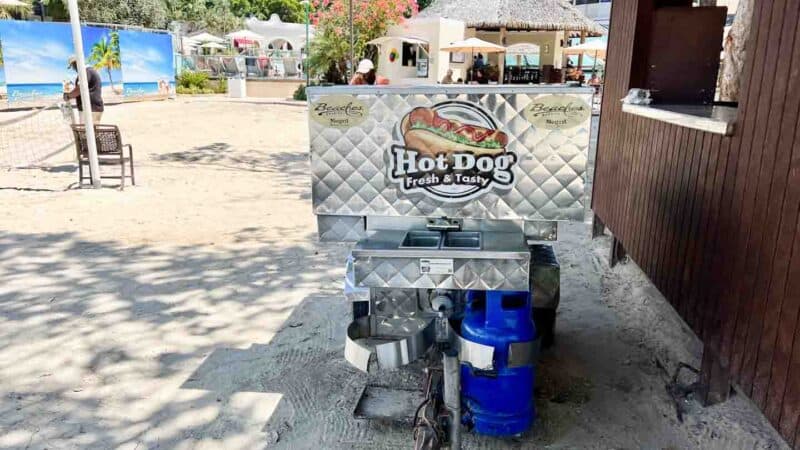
(549, 42)
(440, 32)
(437, 32)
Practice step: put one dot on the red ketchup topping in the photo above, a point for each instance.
(475, 134)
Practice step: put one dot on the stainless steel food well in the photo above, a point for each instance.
(501, 261)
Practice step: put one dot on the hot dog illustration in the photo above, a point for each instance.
(429, 133)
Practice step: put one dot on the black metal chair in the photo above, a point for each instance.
(110, 151)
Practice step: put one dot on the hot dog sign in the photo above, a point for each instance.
(452, 152)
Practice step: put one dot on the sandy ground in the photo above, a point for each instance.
(198, 311)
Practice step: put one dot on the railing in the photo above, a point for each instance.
(275, 64)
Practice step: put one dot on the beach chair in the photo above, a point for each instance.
(229, 67)
(202, 64)
(215, 64)
(290, 68)
(110, 152)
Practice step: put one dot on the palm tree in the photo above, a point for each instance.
(105, 55)
(10, 8)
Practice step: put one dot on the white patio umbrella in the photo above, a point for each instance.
(213, 45)
(596, 49)
(207, 37)
(188, 42)
(473, 45)
(591, 48)
(246, 35)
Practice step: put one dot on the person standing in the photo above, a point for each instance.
(95, 90)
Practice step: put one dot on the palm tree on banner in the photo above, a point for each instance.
(105, 55)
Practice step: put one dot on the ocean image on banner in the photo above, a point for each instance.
(35, 59)
(148, 66)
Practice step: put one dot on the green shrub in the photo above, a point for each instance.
(220, 87)
(300, 93)
(189, 79)
(195, 90)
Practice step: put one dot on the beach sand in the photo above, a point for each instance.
(198, 311)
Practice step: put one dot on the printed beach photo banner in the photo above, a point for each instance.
(148, 66)
(34, 62)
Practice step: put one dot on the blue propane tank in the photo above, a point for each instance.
(498, 402)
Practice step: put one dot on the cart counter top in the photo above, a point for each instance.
(450, 89)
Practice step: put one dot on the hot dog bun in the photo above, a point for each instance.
(430, 143)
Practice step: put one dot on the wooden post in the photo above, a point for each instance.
(618, 252)
(715, 384)
(598, 227)
(580, 57)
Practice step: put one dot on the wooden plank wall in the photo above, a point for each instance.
(713, 220)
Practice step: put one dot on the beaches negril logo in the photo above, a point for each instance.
(451, 152)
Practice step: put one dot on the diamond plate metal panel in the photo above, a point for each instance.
(397, 312)
(474, 274)
(349, 166)
(341, 228)
(540, 230)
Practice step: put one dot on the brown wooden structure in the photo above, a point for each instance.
(712, 219)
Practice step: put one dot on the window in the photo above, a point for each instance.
(676, 51)
(409, 55)
(676, 56)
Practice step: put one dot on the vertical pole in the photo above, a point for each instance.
(308, 43)
(501, 57)
(83, 82)
(452, 397)
(580, 57)
(351, 65)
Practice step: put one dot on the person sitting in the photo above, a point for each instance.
(448, 79)
(572, 74)
(480, 77)
(479, 62)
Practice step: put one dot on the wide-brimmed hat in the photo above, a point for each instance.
(71, 61)
(365, 66)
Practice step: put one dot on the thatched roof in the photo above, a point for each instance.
(538, 15)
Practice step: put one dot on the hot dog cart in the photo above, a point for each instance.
(450, 194)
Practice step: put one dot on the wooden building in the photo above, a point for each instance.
(708, 206)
